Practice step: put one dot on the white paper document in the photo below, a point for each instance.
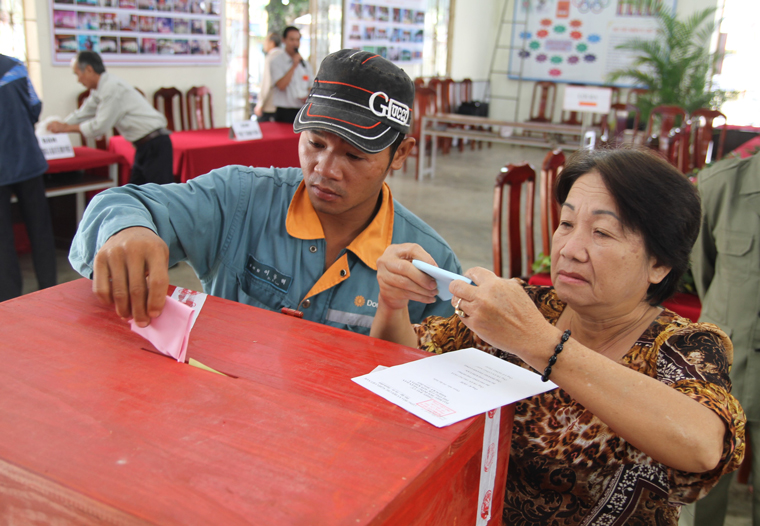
(446, 388)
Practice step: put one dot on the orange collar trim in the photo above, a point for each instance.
(303, 223)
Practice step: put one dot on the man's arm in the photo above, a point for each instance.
(704, 253)
(285, 79)
(188, 221)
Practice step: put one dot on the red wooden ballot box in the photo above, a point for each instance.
(96, 429)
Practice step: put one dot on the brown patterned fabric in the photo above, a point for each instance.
(567, 467)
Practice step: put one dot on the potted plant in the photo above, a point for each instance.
(676, 66)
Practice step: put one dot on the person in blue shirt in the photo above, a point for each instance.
(303, 239)
(21, 168)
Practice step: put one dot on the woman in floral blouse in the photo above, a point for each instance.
(643, 420)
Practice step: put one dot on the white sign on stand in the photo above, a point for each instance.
(245, 131)
(587, 99)
(55, 146)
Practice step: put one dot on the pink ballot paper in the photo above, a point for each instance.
(169, 332)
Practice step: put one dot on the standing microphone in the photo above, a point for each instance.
(302, 61)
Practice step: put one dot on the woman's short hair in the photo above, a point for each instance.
(653, 198)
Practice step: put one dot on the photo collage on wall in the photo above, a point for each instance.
(394, 29)
(139, 32)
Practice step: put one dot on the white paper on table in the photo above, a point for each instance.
(447, 388)
(192, 299)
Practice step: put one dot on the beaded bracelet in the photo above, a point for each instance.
(553, 358)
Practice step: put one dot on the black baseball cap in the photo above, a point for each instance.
(361, 97)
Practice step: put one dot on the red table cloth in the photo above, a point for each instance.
(686, 305)
(197, 152)
(84, 159)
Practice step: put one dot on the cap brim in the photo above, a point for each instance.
(365, 132)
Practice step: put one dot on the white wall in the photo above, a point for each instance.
(59, 87)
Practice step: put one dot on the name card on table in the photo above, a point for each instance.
(55, 146)
(585, 98)
(245, 131)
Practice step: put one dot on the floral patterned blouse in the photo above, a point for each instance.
(567, 467)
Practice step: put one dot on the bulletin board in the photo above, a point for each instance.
(574, 41)
(138, 32)
(394, 29)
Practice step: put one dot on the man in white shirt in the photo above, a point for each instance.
(115, 103)
(294, 77)
(265, 107)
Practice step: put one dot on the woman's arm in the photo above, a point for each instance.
(665, 424)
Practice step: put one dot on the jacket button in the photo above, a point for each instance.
(313, 248)
(305, 304)
(343, 273)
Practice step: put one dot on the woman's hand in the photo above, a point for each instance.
(501, 313)
(400, 281)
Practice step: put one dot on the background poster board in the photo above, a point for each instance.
(575, 40)
(394, 29)
(138, 32)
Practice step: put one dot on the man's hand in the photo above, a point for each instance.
(400, 281)
(61, 127)
(258, 111)
(131, 271)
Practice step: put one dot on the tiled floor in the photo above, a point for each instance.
(458, 204)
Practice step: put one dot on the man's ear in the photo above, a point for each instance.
(404, 149)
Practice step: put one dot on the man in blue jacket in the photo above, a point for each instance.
(21, 167)
(303, 239)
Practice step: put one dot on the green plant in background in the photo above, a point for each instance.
(542, 264)
(676, 66)
(282, 14)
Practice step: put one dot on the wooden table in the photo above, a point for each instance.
(96, 430)
(197, 152)
(479, 129)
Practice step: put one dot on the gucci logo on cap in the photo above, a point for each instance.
(394, 110)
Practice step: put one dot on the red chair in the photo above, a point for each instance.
(195, 107)
(424, 104)
(702, 125)
(678, 149)
(419, 82)
(163, 100)
(619, 114)
(441, 88)
(513, 177)
(546, 92)
(670, 116)
(554, 162)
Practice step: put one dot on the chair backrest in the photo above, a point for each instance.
(424, 104)
(546, 92)
(464, 91)
(101, 143)
(446, 96)
(669, 118)
(619, 114)
(512, 177)
(554, 162)
(678, 149)
(141, 92)
(163, 100)
(195, 108)
(419, 82)
(702, 125)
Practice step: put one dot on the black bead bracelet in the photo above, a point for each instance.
(553, 358)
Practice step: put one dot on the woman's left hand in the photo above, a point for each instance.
(500, 312)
